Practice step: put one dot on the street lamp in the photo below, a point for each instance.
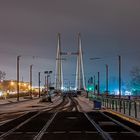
(48, 75)
(119, 61)
(94, 83)
(98, 78)
(107, 79)
(98, 89)
(31, 68)
(39, 81)
(18, 58)
(119, 74)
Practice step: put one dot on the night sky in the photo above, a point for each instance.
(109, 28)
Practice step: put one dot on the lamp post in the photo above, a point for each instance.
(31, 67)
(45, 83)
(98, 89)
(18, 58)
(48, 75)
(39, 83)
(119, 60)
(94, 84)
(106, 78)
(98, 77)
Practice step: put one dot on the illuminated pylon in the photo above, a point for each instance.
(80, 81)
(80, 78)
(59, 75)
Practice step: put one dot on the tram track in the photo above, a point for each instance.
(114, 128)
(73, 105)
(42, 125)
(64, 121)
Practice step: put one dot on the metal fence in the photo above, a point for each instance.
(125, 106)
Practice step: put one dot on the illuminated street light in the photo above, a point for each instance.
(25, 84)
(12, 83)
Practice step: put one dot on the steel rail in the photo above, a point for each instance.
(121, 124)
(41, 133)
(18, 126)
(73, 104)
(104, 135)
(60, 106)
(10, 120)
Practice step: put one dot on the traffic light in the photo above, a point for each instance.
(90, 88)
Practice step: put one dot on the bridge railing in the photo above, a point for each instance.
(128, 107)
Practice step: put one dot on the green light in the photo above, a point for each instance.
(90, 88)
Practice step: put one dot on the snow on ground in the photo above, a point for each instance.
(11, 105)
(85, 104)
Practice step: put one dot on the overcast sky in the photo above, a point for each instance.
(108, 28)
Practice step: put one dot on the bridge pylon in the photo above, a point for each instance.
(59, 74)
(80, 78)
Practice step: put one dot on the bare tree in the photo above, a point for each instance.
(2, 75)
(135, 79)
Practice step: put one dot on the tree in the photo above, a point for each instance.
(135, 80)
(2, 75)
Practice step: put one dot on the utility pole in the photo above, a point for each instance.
(69, 85)
(98, 83)
(107, 79)
(94, 84)
(85, 83)
(39, 83)
(18, 58)
(48, 75)
(47, 83)
(119, 58)
(31, 67)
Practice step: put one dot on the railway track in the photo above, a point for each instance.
(113, 127)
(64, 121)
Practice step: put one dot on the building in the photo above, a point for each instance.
(10, 86)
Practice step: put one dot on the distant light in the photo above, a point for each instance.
(128, 93)
(12, 83)
(90, 88)
(75, 88)
(25, 84)
(29, 87)
(116, 91)
(133, 89)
